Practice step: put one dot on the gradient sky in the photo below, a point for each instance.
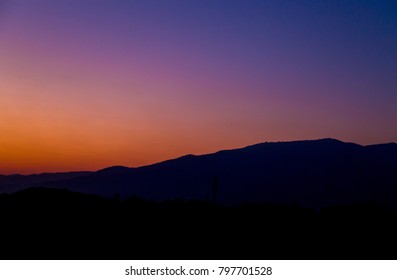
(89, 84)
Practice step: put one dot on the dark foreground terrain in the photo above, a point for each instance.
(42, 223)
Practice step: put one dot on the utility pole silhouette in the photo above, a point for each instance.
(215, 190)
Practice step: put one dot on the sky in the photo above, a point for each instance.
(88, 84)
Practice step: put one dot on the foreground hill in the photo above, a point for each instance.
(313, 173)
(45, 223)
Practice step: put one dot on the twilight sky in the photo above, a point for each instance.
(89, 84)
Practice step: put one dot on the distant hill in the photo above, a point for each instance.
(13, 183)
(313, 173)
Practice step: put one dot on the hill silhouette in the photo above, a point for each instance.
(312, 173)
(318, 199)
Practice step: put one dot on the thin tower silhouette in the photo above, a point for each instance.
(215, 190)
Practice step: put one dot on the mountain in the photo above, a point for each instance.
(311, 173)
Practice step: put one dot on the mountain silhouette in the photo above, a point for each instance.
(310, 173)
(317, 199)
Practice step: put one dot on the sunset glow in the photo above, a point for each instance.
(89, 84)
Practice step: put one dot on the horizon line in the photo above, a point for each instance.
(178, 157)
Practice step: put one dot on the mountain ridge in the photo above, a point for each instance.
(311, 173)
(329, 140)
